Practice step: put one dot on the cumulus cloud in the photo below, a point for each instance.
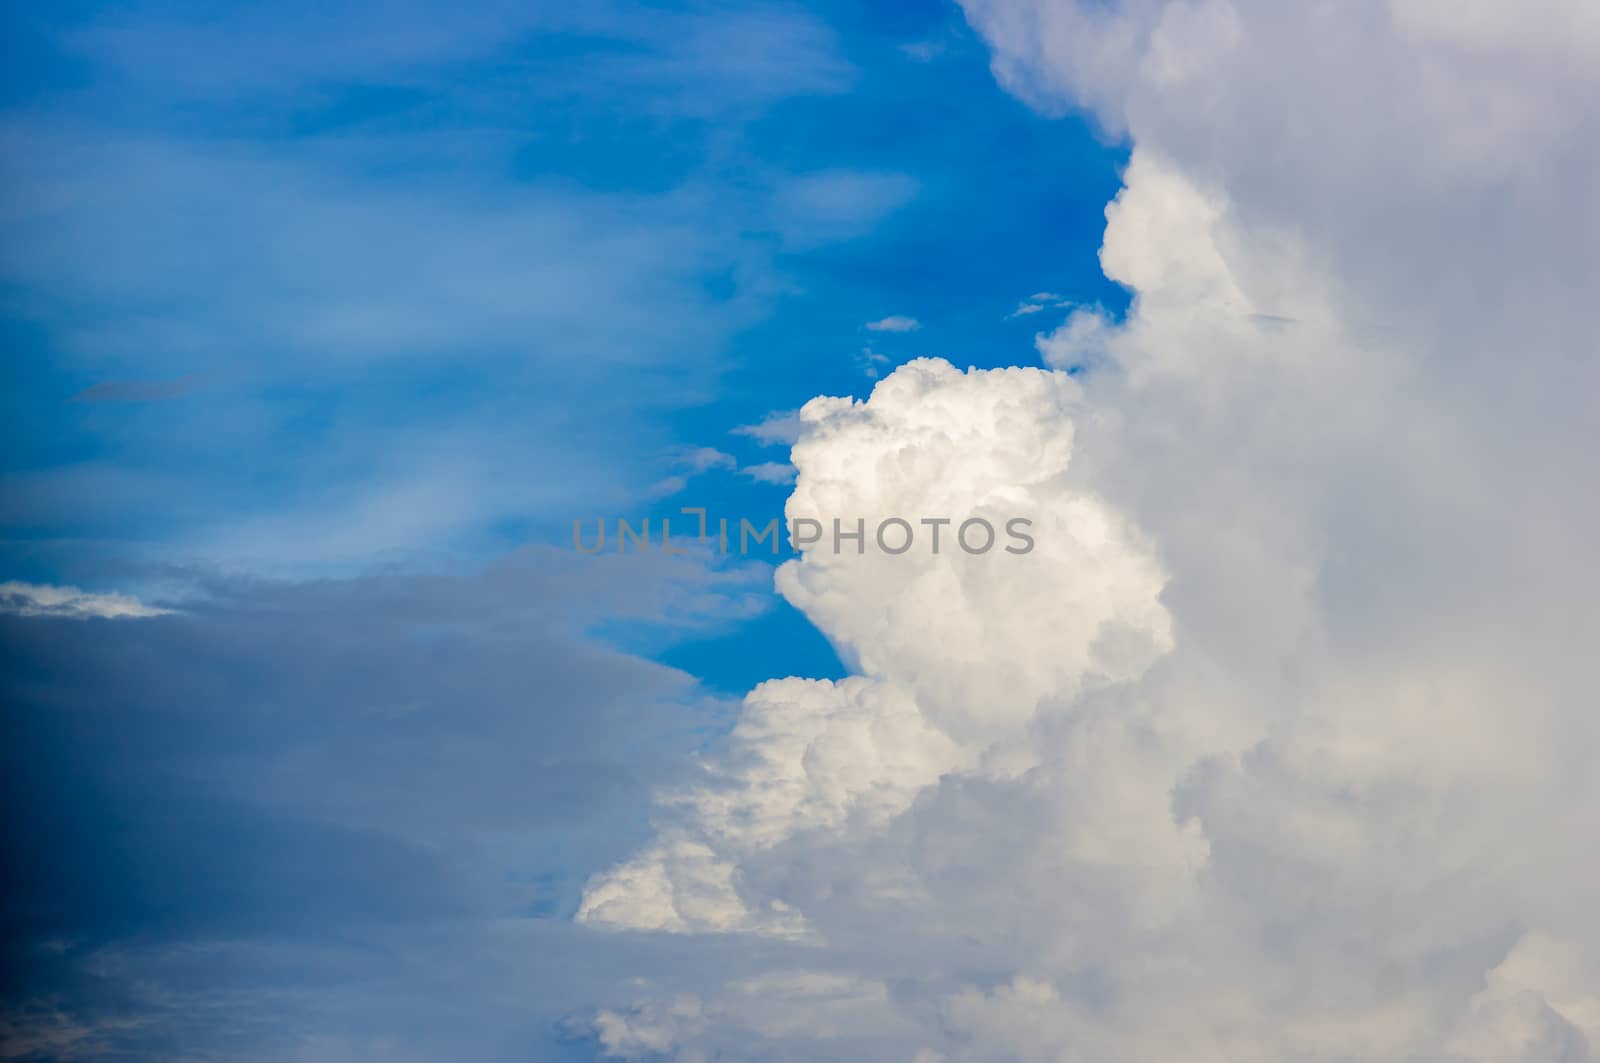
(1279, 744)
(933, 443)
(807, 755)
(38, 599)
(1078, 341)
(894, 323)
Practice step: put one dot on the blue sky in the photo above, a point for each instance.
(433, 287)
(323, 322)
(426, 287)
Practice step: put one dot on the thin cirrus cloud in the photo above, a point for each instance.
(838, 204)
(139, 390)
(770, 472)
(1037, 303)
(894, 323)
(922, 51)
(871, 362)
(698, 61)
(690, 462)
(346, 269)
(45, 600)
(703, 459)
(779, 428)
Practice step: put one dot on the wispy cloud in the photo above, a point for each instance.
(1037, 302)
(778, 427)
(839, 204)
(870, 361)
(922, 51)
(703, 459)
(770, 472)
(894, 323)
(39, 599)
(138, 390)
(690, 462)
(666, 487)
(359, 265)
(696, 61)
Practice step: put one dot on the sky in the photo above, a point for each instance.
(328, 324)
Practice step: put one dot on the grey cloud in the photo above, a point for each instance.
(286, 781)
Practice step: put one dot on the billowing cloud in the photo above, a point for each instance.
(933, 445)
(1278, 744)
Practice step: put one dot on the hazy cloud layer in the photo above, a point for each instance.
(231, 822)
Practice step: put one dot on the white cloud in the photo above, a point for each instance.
(870, 362)
(1038, 302)
(779, 427)
(894, 323)
(703, 459)
(933, 442)
(1080, 340)
(694, 461)
(666, 487)
(1280, 744)
(807, 755)
(845, 759)
(770, 472)
(38, 599)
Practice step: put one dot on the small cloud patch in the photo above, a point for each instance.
(778, 427)
(770, 472)
(39, 599)
(894, 323)
(1039, 301)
